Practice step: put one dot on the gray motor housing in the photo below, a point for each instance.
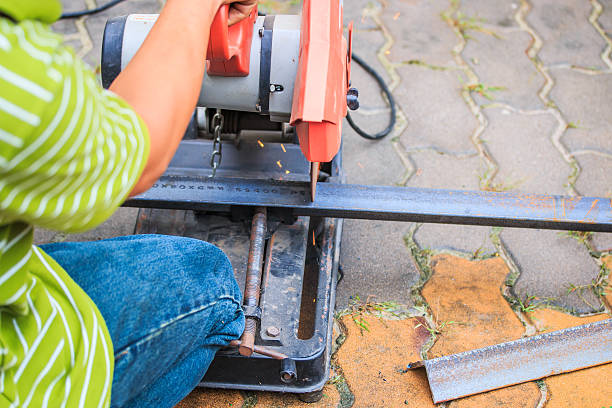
(274, 52)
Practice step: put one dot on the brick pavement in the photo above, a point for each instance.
(511, 95)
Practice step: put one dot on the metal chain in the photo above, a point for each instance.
(215, 158)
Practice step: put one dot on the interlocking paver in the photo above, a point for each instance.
(330, 399)
(419, 32)
(96, 23)
(436, 113)
(550, 263)
(499, 61)
(373, 363)
(209, 398)
(585, 102)
(527, 159)
(470, 312)
(595, 175)
(584, 388)
(567, 35)
(494, 13)
(121, 223)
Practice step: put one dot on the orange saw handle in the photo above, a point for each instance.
(229, 48)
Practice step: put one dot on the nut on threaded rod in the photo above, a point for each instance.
(253, 279)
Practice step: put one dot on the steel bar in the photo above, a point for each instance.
(261, 350)
(253, 280)
(515, 362)
(503, 209)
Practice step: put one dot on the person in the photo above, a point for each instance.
(127, 322)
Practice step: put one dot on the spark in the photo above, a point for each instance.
(278, 163)
(259, 142)
(283, 147)
(313, 239)
(287, 172)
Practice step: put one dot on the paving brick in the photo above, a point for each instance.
(471, 240)
(373, 363)
(528, 161)
(501, 62)
(608, 291)
(375, 262)
(434, 170)
(605, 19)
(567, 35)
(64, 27)
(585, 102)
(466, 302)
(584, 388)
(465, 298)
(420, 33)
(121, 223)
(602, 241)
(550, 262)
(208, 398)
(595, 175)
(359, 11)
(95, 24)
(436, 113)
(491, 12)
(373, 256)
(331, 398)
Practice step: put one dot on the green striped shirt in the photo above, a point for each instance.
(70, 153)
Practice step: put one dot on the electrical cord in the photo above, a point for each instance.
(76, 14)
(381, 82)
(383, 86)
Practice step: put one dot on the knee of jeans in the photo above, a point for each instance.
(210, 265)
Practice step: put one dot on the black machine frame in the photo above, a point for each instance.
(254, 177)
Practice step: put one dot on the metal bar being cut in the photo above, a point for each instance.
(519, 361)
(506, 209)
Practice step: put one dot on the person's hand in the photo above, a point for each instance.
(239, 10)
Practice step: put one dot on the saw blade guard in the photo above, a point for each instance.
(319, 94)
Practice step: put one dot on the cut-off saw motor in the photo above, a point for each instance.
(269, 75)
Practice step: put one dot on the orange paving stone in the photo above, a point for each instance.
(331, 398)
(466, 301)
(584, 388)
(373, 363)
(209, 398)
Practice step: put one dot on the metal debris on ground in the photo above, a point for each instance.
(526, 359)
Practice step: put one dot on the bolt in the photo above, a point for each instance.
(273, 331)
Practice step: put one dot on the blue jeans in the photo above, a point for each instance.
(169, 303)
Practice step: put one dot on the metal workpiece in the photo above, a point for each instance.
(253, 281)
(519, 361)
(499, 209)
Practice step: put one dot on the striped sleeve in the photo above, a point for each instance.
(70, 152)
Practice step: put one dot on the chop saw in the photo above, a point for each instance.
(259, 174)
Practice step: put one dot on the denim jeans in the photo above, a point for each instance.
(169, 304)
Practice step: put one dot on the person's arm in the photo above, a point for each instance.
(162, 81)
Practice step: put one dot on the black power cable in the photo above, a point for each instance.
(356, 58)
(390, 100)
(76, 14)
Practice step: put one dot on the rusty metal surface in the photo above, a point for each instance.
(506, 209)
(515, 362)
(253, 278)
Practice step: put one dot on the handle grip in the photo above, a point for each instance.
(229, 48)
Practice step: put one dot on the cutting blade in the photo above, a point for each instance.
(314, 177)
